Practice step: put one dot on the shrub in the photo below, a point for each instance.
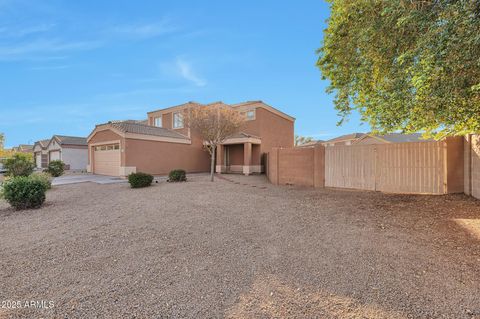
(24, 192)
(20, 164)
(138, 180)
(177, 175)
(45, 178)
(55, 168)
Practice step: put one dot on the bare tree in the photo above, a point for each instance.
(214, 124)
(300, 140)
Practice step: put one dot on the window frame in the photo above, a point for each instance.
(253, 116)
(157, 118)
(173, 120)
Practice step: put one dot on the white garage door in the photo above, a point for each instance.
(38, 160)
(54, 155)
(106, 160)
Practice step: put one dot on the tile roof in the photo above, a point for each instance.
(402, 138)
(42, 143)
(311, 143)
(351, 136)
(71, 140)
(135, 127)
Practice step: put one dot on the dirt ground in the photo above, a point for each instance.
(239, 248)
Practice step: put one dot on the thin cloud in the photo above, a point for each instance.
(50, 67)
(43, 46)
(18, 32)
(144, 30)
(186, 71)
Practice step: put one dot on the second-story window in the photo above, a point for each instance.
(250, 115)
(158, 121)
(177, 120)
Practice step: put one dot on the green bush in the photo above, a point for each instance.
(45, 178)
(138, 180)
(24, 192)
(55, 168)
(177, 175)
(20, 164)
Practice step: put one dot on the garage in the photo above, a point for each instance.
(54, 155)
(106, 159)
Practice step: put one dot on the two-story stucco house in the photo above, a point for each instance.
(163, 142)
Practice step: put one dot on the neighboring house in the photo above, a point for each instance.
(391, 138)
(347, 139)
(71, 150)
(40, 153)
(23, 148)
(311, 143)
(119, 148)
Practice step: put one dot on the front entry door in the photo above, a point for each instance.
(227, 158)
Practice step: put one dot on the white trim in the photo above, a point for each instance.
(235, 168)
(220, 168)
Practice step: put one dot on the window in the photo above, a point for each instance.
(250, 115)
(157, 121)
(177, 120)
(110, 147)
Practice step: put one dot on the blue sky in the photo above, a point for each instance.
(68, 65)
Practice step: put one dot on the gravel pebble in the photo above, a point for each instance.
(240, 248)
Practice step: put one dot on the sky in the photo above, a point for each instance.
(66, 66)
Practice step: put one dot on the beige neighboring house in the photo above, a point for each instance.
(311, 143)
(40, 153)
(390, 138)
(347, 139)
(119, 148)
(72, 150)
(23, 148)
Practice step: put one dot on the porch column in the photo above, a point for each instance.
(247, 157)
(220, 168)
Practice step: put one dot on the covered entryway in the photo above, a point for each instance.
(54, 155)
(239, 154)
(106, 159)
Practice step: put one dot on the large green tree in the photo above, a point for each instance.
(405, 65)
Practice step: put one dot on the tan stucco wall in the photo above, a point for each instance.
(274, 130)
(159, 158)
(303, 166)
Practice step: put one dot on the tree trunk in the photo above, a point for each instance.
(212, 163)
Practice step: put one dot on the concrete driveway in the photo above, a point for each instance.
(99, 179)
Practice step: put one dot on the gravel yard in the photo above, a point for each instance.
(240, 248)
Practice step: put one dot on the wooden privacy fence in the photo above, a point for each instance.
(419, 168)
(472, 165)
